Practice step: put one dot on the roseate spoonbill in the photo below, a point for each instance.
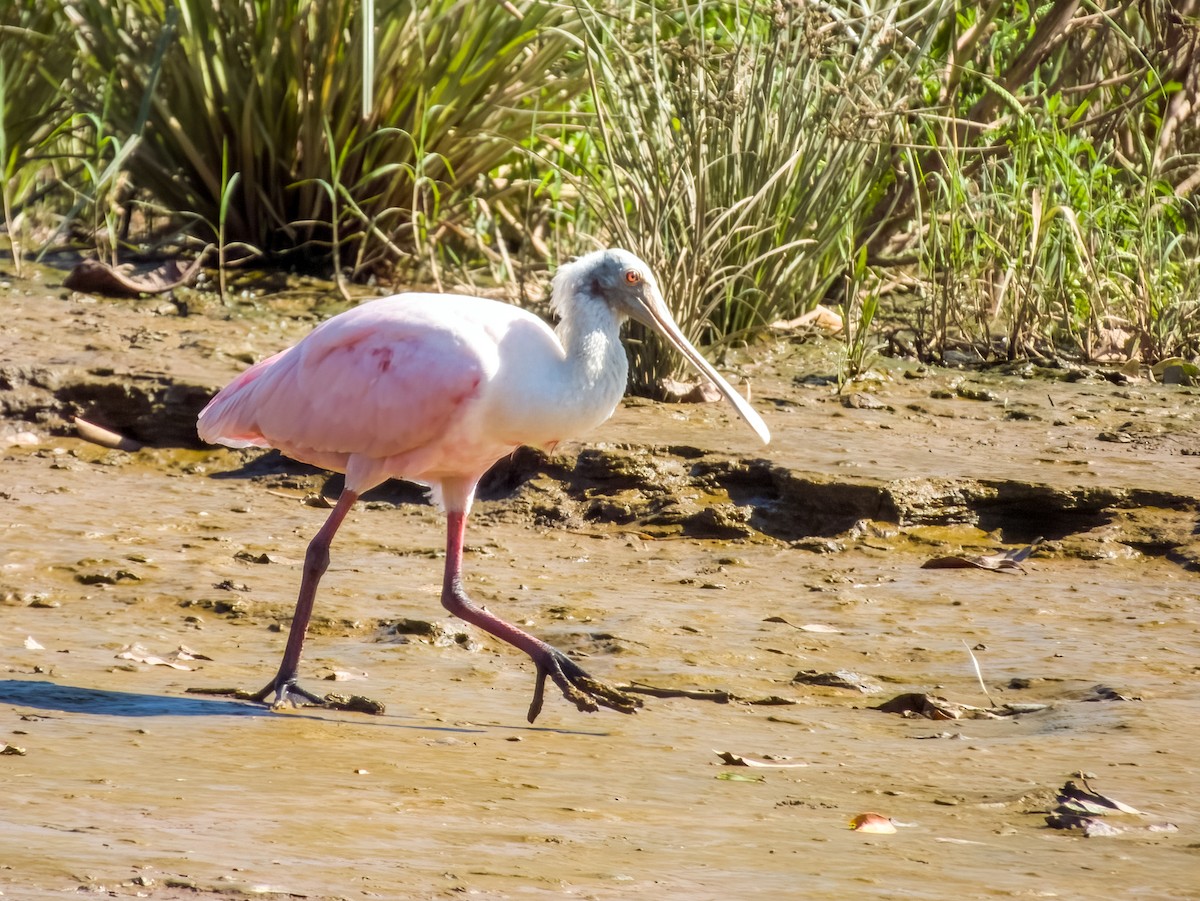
(434, 389)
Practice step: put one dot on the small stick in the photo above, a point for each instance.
(979, 675)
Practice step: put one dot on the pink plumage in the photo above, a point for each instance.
(396, 388)
(435, 389)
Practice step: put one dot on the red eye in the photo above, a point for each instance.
(632, 276)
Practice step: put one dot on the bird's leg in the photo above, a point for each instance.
(316, 561)
(578, 687)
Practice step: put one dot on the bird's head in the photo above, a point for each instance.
(615, 277)
(625, 283)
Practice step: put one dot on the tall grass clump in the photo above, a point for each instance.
(1050, 204)
(272, 90)
(1054, 249)
(740, 148)
(33, 66)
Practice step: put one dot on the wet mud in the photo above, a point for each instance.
(765, 600)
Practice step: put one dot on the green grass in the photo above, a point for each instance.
(1049, 236)
(985, 182)
(34, 61)
(738, 152)
(275, 87)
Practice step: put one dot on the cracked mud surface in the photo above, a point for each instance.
(667, 549)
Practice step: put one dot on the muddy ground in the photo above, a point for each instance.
(666, 550)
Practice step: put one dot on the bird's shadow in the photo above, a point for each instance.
(43, 695)
(50, 696)
(502, 480)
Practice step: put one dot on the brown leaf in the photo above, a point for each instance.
(1091, 826)
(932, 707)
(918, 704)
(703, 392)
(95, 277)
(138, 654)
(1009, 561)
(820, 317)
(718, 695)
(809, 627)
(766, 761)
(1074, 798)
(840, 679)
(183, 652)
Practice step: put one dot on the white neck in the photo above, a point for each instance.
(594, 370)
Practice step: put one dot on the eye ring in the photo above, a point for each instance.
(632, 276)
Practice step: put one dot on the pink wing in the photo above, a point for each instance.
(381, 380)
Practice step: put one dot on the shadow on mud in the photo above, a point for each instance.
(44, 695)
(49, 696)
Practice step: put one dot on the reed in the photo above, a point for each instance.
(280, 83)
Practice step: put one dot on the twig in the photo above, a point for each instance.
(979, 675)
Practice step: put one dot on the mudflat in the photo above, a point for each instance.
(764, 600)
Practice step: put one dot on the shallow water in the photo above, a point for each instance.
(131, 786)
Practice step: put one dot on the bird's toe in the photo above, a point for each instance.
(285, 694)
(586, 693)
(613, 698)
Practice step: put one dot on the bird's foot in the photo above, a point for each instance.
(577, 686)
(287, 694)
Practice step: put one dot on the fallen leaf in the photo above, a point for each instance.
(873, 822)
(1013, 709)
(1081, 807)
(768, 701)
(918, 704)
(702, 392)
(247, 557)
(932, 707)
(1162, 827)
(820, 317)
(1073, 798)
(1091, 826)
(1009, 561)
(1104, 693)
(138, 654)
(11, 751)
(183, 652)
(839, 679)
(94, 277)
(809, 627)
(766, 761)
(718, 695)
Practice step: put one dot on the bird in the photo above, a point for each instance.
(435, 389)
